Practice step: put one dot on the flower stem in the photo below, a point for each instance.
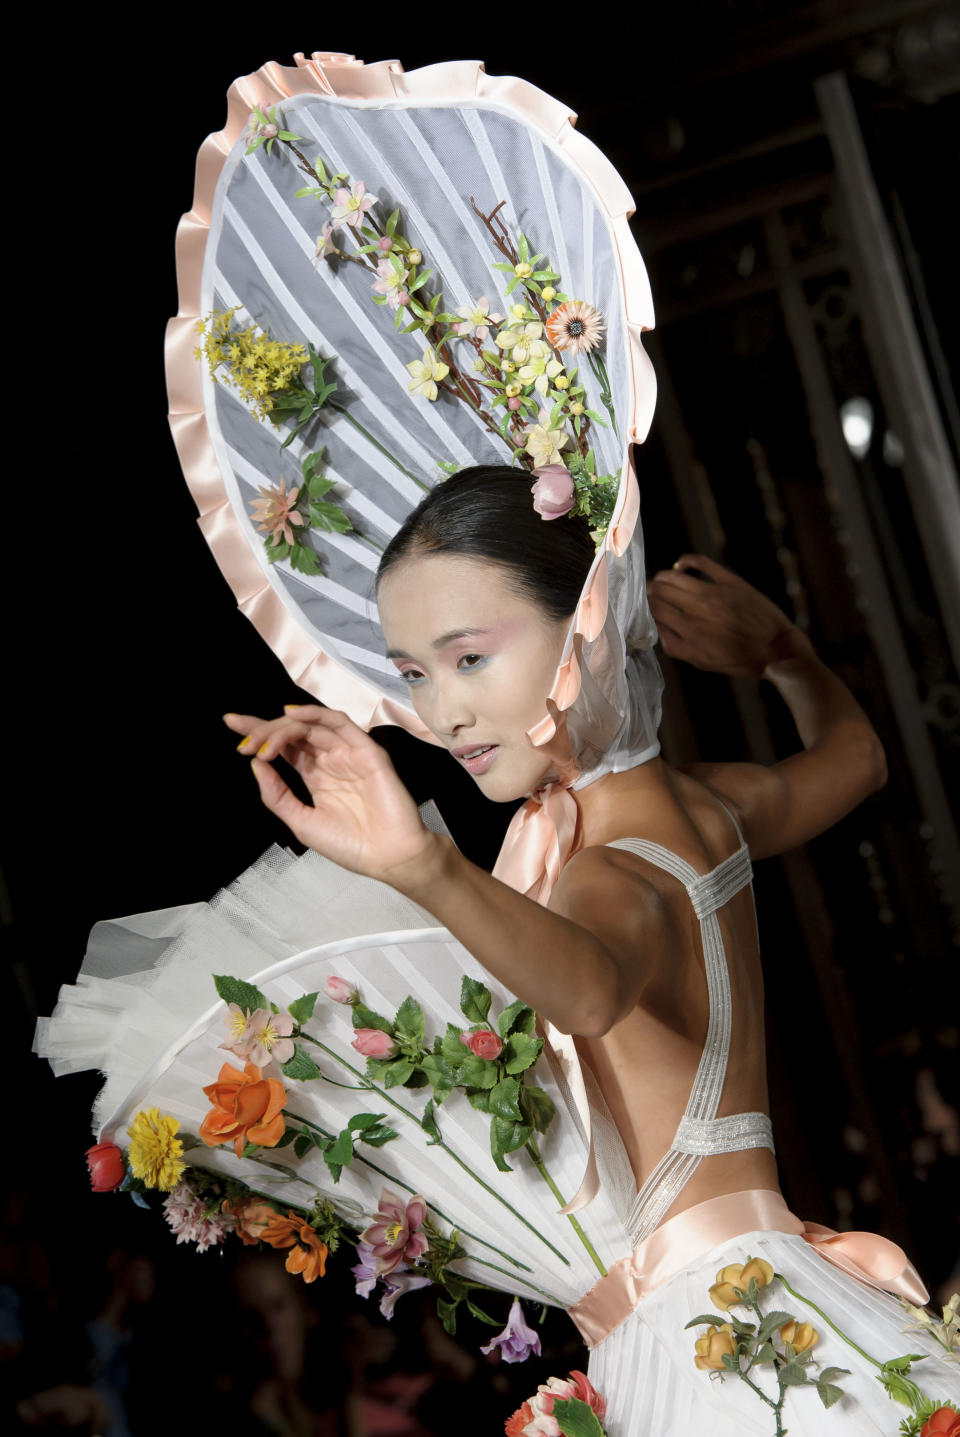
(413, 1193)
(820, 1313)
(600, 370)
(441, 1144)
(548, 1296)
(541, 1167)
(341, 409)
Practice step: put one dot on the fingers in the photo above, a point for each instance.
(719, 573)
(277, 797)
(299, 721)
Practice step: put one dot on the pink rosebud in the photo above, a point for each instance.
(373, 1043)
(339, 989)
(513, 405)
(483, 1043)
(385, 243)
(269, 132)
(553, 493)
(403, 298)
(107, 1168)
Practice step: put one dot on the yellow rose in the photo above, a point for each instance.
(800, 1335)
(713, 1346)
(738, 1274)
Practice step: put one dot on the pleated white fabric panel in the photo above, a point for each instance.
(646, 1371)
(155, 1028)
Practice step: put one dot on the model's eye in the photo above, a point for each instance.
(411, 676)
(470, 661)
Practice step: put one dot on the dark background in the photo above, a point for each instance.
(128, 794)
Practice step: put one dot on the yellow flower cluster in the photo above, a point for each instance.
(248, 359)
(155, 1151)
(738, 1274)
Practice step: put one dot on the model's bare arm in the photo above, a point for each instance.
(724, 625)
(574, 962)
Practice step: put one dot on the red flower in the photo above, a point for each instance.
(514, 1425)
(483, 1043)
(107, 1168)
(945, 1422)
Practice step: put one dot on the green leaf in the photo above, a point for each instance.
(478, 1072)
(447, 1313)
(576, 1418)
(504, 1099)
(409, 1025)
(367, 1018)
(519, 1017)
(330, 517)
(379, 1135)
(301, 1009)
(397, 1073)
(304, 560)
(250, 1149)
(335, 1168)
(301, 1065)
(537, 1107)
(441, 1075)
(480, 1099)
(474, 1000)
(235, 990)
(478, 1312)
(287, 1139)
(710, 1317)
(361, 1121)
(302, 1144)
(523, 247)
(730, 1363)
(521, 1052)
(451, 1046)
(428, 1122)
(771, 1322)
(903, 1364)
(829, 1373)
(829, 1393)
(765, 1354)
(792, 1375)
(341, 1149)
(391, 224)
(507, 1137)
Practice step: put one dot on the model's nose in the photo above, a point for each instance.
(452, 713)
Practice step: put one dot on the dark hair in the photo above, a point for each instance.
(486, 512)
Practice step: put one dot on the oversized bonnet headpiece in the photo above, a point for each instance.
(338, 158)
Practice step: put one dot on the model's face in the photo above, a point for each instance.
(479, 660)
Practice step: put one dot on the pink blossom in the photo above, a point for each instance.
(274, 512)
(517, 1340)
(553, 493)
(385, 244)
(483, 1043)
(186, 1212)
(259, 1036)
(365, 1271)
(350, 206)
(390, 281)
(325, 242)
(395, 1233)
(577, 1385)
(339, 989)
(373, 1043)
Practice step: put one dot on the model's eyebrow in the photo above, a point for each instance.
(441, 642)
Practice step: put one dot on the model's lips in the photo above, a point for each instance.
(477, 757)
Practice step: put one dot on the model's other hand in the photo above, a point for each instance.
(361, 816)
(718, 622)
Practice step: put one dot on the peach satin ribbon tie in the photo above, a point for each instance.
(873, 1259)
(538, 842)
(683, 1240)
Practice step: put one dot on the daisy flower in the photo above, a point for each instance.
(576, 326)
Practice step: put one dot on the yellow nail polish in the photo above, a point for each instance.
(262, 749)
(287, 707)
(242, 745)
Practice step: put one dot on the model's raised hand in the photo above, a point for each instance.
(718, 622)
(360, 814)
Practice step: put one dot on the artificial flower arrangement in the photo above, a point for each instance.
(406, 1243)
(511, 370)
(780, 1343)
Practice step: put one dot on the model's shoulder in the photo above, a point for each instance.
(604, 878)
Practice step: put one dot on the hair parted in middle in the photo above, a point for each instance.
(486, 512)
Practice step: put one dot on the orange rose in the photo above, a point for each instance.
(713, 1346)
(252, 1217)
(738, 1274)
(945, 1422)
(247, 1108)
(308, 1259)
(800, 1335)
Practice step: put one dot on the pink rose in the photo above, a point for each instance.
(373, 1043)
(553, 493)
(482, 1043)
(340, 990)
(576, 1385)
